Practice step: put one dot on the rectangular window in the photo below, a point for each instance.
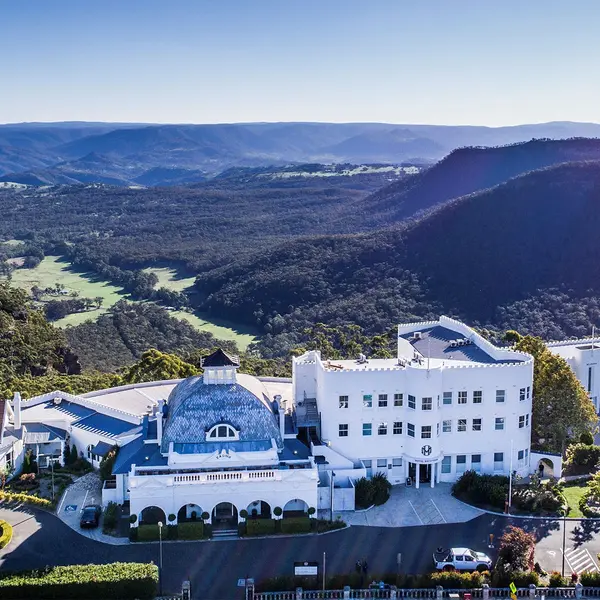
(498, 461)
(476, 424)
(398, 399)
(528, 392)
(412, 402)
(426, 404)
(447, 399)
(367, 401)
(369, 467)
(523, 421)
(461, 463)
(437, 428)
(500, 395)
(426, 431)
(522, 394)
(382, 429)
(446, 464)
(589, 384)
(410, 429)
(382, 400)
(476, 462)
(397, 427)
(462, 397)
(477, 397)
(381, 463)
(521, 454)
(367, 428)
(499, 423)
(343, 430)
(343, 401)
(462, 425)
(447, 426)
(396, 462)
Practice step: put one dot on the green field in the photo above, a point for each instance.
(168, 278)
(573, 494)
(54, 270)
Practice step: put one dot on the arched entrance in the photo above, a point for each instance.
(545, 468)
(295, 508)
(259, 510)
(151, 515)
(189, 512)
(224, 516)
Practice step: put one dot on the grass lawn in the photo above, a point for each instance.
(168, 278)
(573, 494)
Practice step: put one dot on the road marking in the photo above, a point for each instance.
(84, 499)
(551, 552)
(439, 511)
(62, 500)
(415, 511)
(580, 560)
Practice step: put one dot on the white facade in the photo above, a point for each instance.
(437, 410)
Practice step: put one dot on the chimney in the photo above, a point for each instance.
(17, 410)
(159, 421)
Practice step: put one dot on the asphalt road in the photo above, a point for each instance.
(214, 567)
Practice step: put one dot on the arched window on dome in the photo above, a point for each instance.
(222, 432)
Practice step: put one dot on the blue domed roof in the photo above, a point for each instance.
(195, 407)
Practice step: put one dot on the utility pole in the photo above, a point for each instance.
(160, 561)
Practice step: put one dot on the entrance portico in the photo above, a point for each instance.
(421, 471)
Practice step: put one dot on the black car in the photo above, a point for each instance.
(90, 515)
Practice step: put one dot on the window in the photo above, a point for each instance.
(369, 467)
(89, 451)
(499, 423)
(426, 404)
(461, 463)
(343, 401)
(382, 400)
(410, 429)
(426, 431)
(522, 394)
(382, 429)
(396, 462)
(476, 462)
(528, 392)
(500, 395)
(446, 464)
(462, 397)
(523, 421)
(521, 454)
(412, 402)
(343, 430)
(447, 399)
(367, 428)
(498, 461)
(367, 401)
(381, 463)
(437, 429)
(397, 427)
(397, 399)
(477, 397)
(462, 425)
(476, 424)
(222, 432)
(447, 426)
(589, 382)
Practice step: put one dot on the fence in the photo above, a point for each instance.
(485, 593)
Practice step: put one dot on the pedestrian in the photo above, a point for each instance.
(365, 566)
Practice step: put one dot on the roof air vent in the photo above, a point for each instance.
(57, 400)
(418, 335)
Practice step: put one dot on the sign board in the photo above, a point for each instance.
(310, 569)
(513, 587)
(241, 583)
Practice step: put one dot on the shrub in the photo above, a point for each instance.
(6, 533)
(590, 579)
(456, 579)
(116, 580)
(582, 458)
(557, 580)
(172, 532)
(107, 463)
(74, 455)
(111, 514)
(491, 490)
(381, 488)
(25, 498)
(323, 525)
(171, 517)
(586, 438)
(260, 526)
(516, 550)
(193, 530)
(311, 511)
(205, 516)
(147, 533)
(363, 493)
(133, 534)
(295, 525)
(244, 513)
(278, 511)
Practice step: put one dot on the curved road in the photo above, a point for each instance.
(214, 567)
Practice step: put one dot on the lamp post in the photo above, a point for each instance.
(160, 562)
(331, 496)
(510, 475)
(564, 543)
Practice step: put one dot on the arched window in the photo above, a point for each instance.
(222, 432)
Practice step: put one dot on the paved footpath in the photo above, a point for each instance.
(42, 539)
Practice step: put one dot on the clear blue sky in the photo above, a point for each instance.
(488, 62)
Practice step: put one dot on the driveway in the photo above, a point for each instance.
(408, 507)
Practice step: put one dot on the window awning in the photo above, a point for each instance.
(101, 449)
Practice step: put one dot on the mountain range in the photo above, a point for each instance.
(135, 154)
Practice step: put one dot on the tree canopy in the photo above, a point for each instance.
(157, 366)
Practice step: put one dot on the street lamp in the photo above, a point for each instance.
(160, 526)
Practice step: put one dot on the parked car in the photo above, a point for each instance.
(461, 559)
(90, 515)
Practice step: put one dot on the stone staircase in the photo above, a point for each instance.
(225, 534)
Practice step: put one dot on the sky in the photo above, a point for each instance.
(471, 62)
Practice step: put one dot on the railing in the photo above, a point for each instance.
(226, 476)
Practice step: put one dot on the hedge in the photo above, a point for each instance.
(190, 530)
(116, 580)
(295, 525)
(581, 458)
(25, 498)
(147, 533)
(260, 527)
(590, 579)
(6, 533)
